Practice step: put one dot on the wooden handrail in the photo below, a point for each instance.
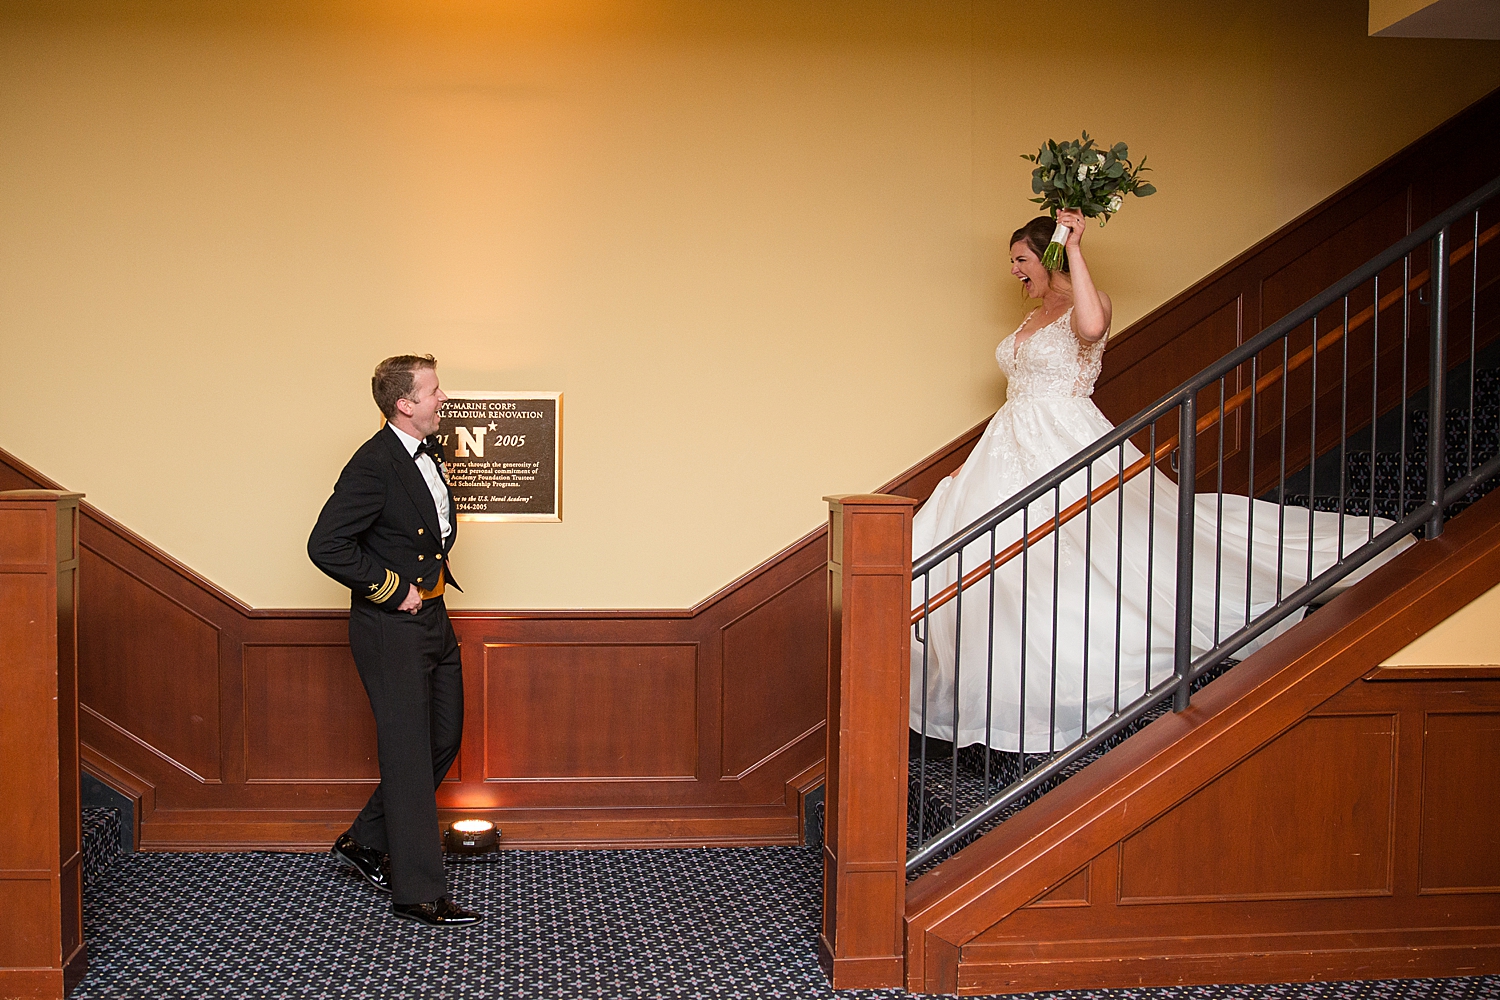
(1206, 421)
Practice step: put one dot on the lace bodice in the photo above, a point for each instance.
(1051, 363)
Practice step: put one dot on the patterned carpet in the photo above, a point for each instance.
(706, 922)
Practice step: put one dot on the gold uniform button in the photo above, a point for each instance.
(420, 558)
(421, 531)
(419, 579)
(438, 556)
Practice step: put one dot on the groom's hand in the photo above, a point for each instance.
(413, 602)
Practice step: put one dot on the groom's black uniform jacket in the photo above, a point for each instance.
(378, 534)
(379, 531)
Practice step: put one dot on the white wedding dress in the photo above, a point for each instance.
(1047, 418)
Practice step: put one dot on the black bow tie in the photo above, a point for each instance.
(430, 446)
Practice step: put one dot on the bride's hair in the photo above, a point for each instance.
(1036, 234)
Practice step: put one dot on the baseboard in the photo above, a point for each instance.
(1272, 959)
(201, 830)
(28, 984)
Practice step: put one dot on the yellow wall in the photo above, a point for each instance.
(759, 246)
(1384, 13)
(1468, 637)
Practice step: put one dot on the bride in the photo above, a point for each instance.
(1058, 655)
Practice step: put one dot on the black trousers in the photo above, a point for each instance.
(410, 668)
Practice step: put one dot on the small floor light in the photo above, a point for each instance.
(471, 836)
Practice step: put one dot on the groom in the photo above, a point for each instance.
(385, 534)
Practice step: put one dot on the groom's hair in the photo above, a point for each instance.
(395, 378)
(1036, 234)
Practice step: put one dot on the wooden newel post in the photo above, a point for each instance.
(869, 648)
(41, 862)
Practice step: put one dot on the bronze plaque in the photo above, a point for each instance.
(504, 452)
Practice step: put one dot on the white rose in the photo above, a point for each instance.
(1084, 170)
(1115, 202)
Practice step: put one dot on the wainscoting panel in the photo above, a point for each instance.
(148, 664)
(590, 712)
(1308, 815)
(1461, 777)
(1074, 891)
(790, 628)
(306, 715)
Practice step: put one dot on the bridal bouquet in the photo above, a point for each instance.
(1080, 175)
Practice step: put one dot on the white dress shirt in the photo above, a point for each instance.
(429, 471)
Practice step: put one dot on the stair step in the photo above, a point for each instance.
(1005, 768)
(101, 840)
(1377, 484)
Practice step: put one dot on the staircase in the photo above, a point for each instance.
(979, 772)
(1272, 805)
(937, 782)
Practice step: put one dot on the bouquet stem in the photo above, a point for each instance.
(1052, 259)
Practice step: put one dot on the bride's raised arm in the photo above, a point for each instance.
(1091, 307)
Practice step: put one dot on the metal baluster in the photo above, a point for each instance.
(1374, 405)
(1088, 577)
(1056, 578)
(1405, 389)
(1436, 382)
(1119, 560)
(1312, 454)
(1025, 615)
(1343, 429)
(1187, 492)
(926, 648)
(989, 668)
(1250, 521)
(1473, 343)
(1150, 552)
(1219, 518)
(958, 652)
(1281, 482)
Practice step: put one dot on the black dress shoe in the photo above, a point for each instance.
(443, 913)
(371, 865)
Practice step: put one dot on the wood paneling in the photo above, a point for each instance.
(760, 719)
(149, 665)
(1461, 786)
(306, 716)
(575, 711)
(869, 651)
(27, 942)
(627, 747)
(1073, 892)
(1288, 826)
(41, 890)
(1310, 814)
(23, 604)
(23, 540)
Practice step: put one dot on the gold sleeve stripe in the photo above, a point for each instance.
(387, 589)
